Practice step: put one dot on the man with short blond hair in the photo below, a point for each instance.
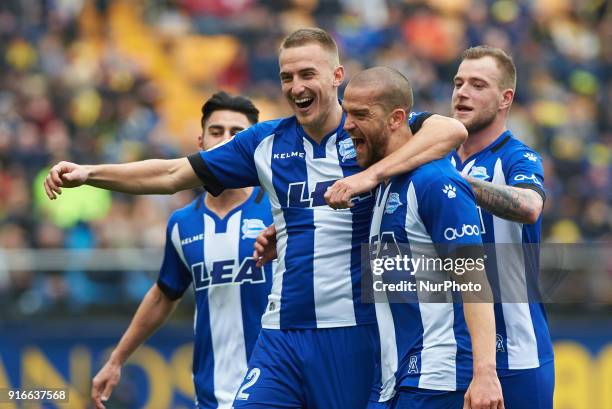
(508, 180)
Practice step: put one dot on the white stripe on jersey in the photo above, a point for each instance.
(384, 317)
(439, 353)
(225, 312)
(175, 236)
(520, 335)
(263, 158)
(333, 232)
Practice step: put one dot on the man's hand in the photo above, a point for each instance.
(484, 392)
(104, 382)
(64, 174)
(265, 246)
(339, 195)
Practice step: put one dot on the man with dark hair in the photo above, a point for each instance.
(508, 180)
(208, 244)
(435, 353)
(318, 344)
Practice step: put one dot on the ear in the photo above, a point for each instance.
(397, 119)
(507, 99)
(201, 141)
(338, 76)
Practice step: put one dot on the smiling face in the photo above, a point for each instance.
(477, 96)
(310, 84)
(221, 126)
(366, 123)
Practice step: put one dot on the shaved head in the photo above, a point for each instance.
(393, 89)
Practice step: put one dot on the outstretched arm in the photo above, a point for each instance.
(151, 314)
(154, 176)
(437, 137)
(518, 204)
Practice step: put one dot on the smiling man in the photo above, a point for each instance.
(434, 353)
(318, 345)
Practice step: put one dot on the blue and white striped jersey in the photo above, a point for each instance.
(423, 344)
(215, 256)
(523, 339)
(317, 282)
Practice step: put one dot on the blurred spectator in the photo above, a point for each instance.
(120, 81)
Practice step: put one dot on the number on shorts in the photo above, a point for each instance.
(251, 378)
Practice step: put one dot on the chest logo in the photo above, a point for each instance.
(479, 172)
(393, 202)
(450, 191)
(347, 149)
(251, 228)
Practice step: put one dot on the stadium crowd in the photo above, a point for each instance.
(107, 81)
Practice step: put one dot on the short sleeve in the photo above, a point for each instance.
(230, 165)
(174, 276)
(525, 170)
(448, 210)
(416, 120)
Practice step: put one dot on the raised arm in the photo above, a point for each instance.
(436, 138)
(151, 314)
(518, 204)
(154, 176)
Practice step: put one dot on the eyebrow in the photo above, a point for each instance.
(301, 71)
(232, 127)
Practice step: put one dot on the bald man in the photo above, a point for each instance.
(435, 353)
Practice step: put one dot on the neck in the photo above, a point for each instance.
(397, 140)
(479, 140)
(329, 123)
(228, 200)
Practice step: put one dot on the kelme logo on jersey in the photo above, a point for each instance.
(393, 202)
(450, 233)
(347, 149)
(251, 228)
(226, 272)
(532, 157)
(533, 178)
(479, 172)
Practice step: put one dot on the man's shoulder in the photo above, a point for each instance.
(264, 129)
(187, 213)
(438, 169)
(513, 148)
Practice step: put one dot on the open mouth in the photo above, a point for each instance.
(303, 102)
(463, 108)
(358, 143)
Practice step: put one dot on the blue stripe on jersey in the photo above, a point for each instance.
(297, 296)
(523, 339)
(215, 255)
